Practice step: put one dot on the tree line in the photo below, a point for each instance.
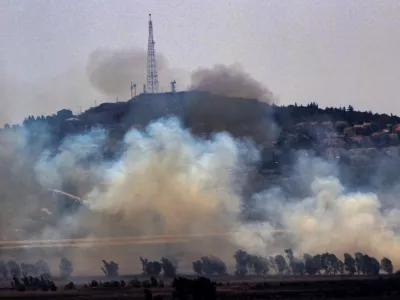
(245, 264)
(12, 269)
(326, 263)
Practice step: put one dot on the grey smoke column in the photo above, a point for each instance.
(152, 77)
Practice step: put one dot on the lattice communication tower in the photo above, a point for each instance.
(152, 77)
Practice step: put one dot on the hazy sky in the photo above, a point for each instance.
(332, 52)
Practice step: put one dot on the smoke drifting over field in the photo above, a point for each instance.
(168, 182)
(329, 219)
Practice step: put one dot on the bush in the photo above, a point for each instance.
(200, 288)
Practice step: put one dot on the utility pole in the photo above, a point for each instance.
(173, 86)
(152, 76)
(133, 89)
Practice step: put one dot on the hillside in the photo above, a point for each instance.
(355, 139)
(364, 146)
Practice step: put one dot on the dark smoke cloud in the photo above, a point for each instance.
(112, 70)
(231, 81)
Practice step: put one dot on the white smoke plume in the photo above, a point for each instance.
(330, 219)
(169, 182)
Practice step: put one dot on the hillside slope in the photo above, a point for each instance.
(357, 140)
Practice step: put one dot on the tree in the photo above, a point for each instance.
(110, 269)
(280, 263)
(258, 265)
(66, 268)
(340, 266)
(211, 265)
(387, 265)
(168, 268)
(367, 265)
(297, 266)
(151, 268)
(198, 267)
(359, 263)
(350, 108)
(349, 264)
(14, 269)
(317, 263)
(331, 264)
(241, 258)
(311, 265)
(372, 265)
(65, 114)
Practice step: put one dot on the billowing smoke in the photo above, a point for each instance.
(171, 184)
(173, 181)
(231, 81)
(167, 182)
(330, 219)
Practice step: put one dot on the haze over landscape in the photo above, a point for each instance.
(238, 156)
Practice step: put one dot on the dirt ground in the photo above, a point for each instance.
(229, 288)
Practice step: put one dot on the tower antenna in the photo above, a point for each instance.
(152, 77)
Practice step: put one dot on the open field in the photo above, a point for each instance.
(306, 287)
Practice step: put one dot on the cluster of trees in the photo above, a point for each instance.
(326, 263)
(288, 116)
(154, 268)
(55, 119)
(246, 264)
(209, 265)
(133, 283)
(284, 116)
(33, 283)
(12, 269)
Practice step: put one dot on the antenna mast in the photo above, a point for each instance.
(152, 77)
